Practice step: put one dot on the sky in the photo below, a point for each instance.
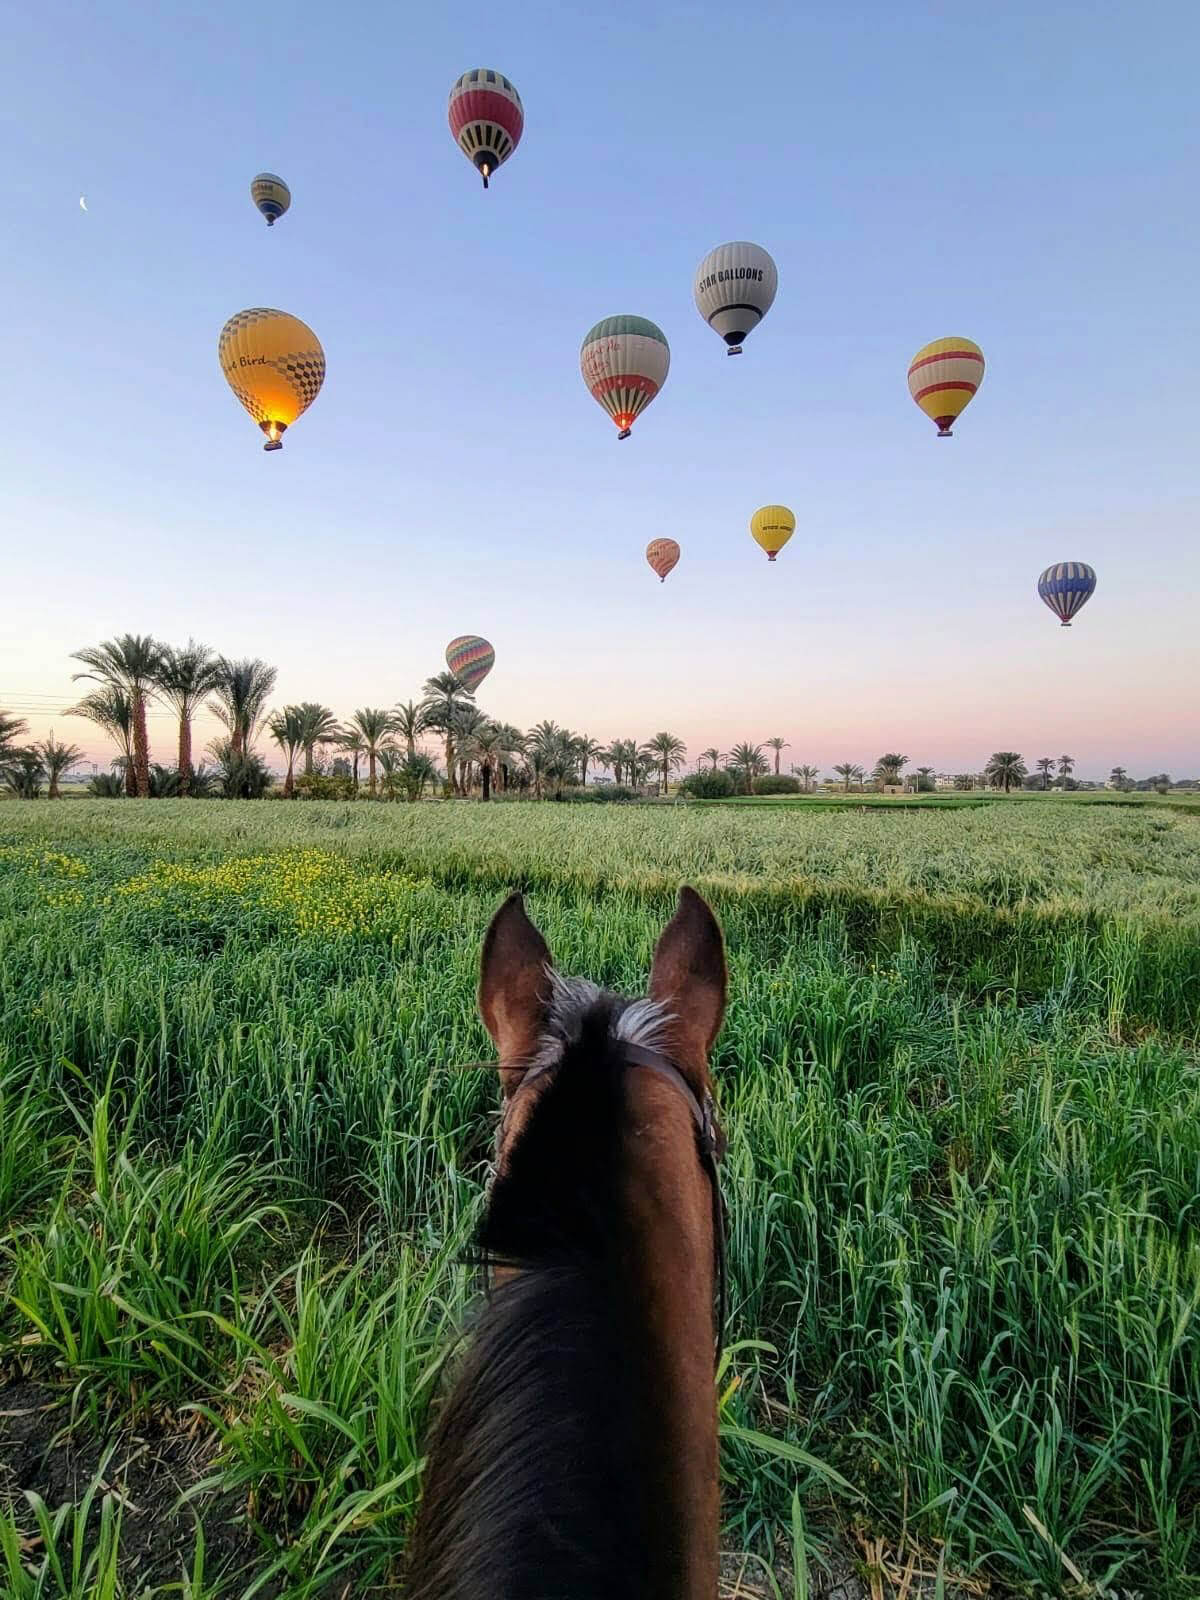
(1022, 175)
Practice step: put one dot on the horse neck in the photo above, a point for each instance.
(576, 1452)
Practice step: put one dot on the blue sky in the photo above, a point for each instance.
(1023, 178)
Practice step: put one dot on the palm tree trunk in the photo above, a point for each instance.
(289, 783)
(371, 772)
(356, 772)
(141, 747)
(308, 759)
(412, 747)
(185, 754)
(665, 777)
(487, 780)
(777, 755)
(54, 794)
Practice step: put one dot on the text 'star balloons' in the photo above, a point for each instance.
(274, 363)
(772, 527)
(271, 195)
(663, 556)
(734, 288)
(470, 659)
(486, 118)
(942, 379)
(624, 362)
(1066, 587)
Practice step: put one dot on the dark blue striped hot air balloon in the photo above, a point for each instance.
(1066, 587)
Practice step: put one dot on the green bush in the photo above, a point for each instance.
(776, 783)
(600, 794)
(324, 786)
(707, 785)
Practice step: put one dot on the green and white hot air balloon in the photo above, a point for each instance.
(624, 362)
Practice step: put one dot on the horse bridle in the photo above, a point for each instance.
(710, 1146)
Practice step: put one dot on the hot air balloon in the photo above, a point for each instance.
(663, 556)
(942, 377)
(486, 118)
(470, 659)
(734, 288)
(1066, 587)
(624, 362)
(772, 527)
(271, 195)
(275, 366)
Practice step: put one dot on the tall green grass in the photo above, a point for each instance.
(239, 1162)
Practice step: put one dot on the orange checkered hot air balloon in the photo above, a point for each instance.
(663, 556)
(942, 379)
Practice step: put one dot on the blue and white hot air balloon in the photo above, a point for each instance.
(1066, 587)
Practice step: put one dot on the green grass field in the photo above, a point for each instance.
(238, 1166)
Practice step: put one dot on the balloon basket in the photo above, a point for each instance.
(273, 444)
(770, 555)
(734, 350)
(624, 433)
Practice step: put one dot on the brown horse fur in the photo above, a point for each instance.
(575, 1456)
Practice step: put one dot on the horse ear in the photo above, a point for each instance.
(513, 983)
(688, 974)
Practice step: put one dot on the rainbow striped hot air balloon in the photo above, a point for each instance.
(942, 378)
(663, 556)
(624, 362)
(1066, 587)
(470, 658)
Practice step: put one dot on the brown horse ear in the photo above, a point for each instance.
(513, 983)
(688, 975)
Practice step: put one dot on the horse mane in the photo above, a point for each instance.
(542, 1464)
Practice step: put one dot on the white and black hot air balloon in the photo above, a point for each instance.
(734, 288)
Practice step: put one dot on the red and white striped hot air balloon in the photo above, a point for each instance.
(486, 118)
(663, 556)
(942, 379)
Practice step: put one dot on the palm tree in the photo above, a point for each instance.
(131, 662)
(287, 727)
(712, 754)
(1005, 768)
(110, 708)
(486, 746)
(57, 759)
(1066, 766)
(417, 771)
(806, 776)
(748, 761)
(889, 767)
(355, 746)
(779, 746)
(1045, 766)
(319, 726)
(1118, 777)
(392, 762)
(614, 759)
(668, 751)
(184, 677)
(242, 689)
(240, 774)
(409, 722)
(24, 771)
(512, 745)
(374, 724)
(443, 695)
(11, 729)
(848, 770)
(589, 750)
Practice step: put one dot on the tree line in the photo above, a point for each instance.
(323, 756)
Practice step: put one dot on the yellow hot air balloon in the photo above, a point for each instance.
(942, 379)
(274, 363)
(772, 527)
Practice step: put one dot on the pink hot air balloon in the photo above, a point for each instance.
(663, 556)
